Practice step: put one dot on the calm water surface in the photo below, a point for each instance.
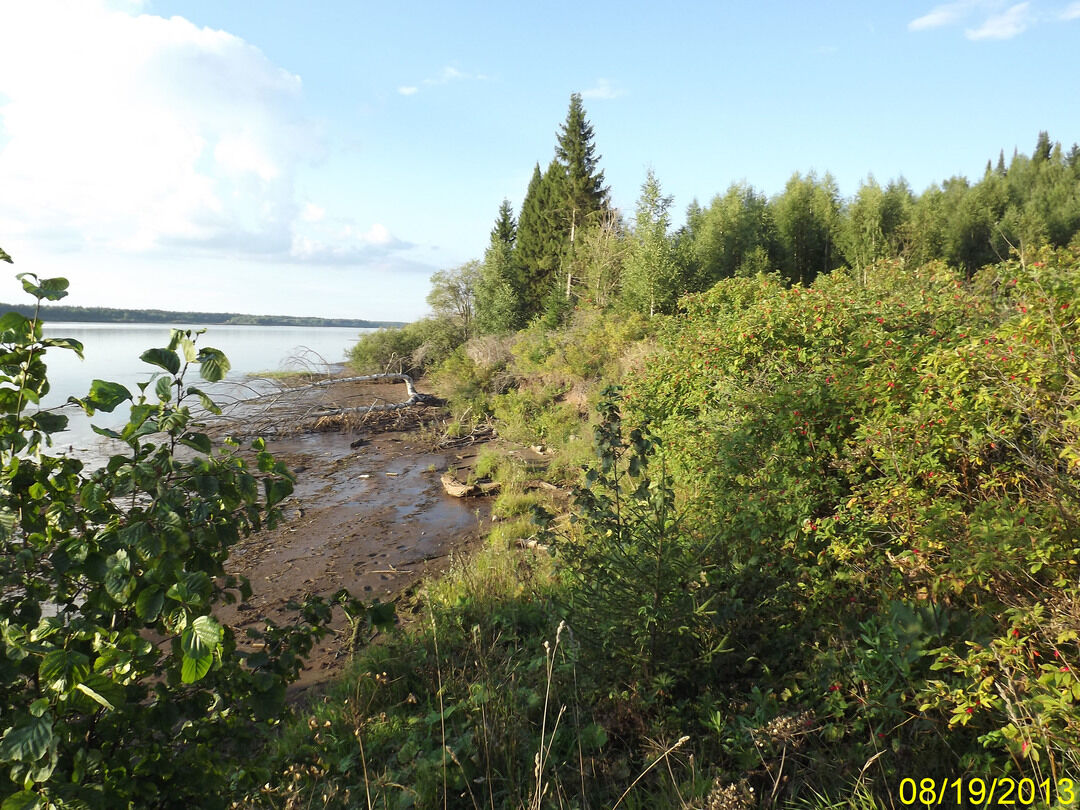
(111, 352)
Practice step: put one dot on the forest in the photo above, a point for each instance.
(804, 533)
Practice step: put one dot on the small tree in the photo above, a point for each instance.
(639, 575)
(453, 294)
(651, 277)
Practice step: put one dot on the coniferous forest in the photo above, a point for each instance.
(788, 516)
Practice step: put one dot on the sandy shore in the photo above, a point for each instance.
(372, 518)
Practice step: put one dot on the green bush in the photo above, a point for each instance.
(904, 444)
(118, 685)
(409, 349)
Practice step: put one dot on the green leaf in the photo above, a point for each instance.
(213, 364)
(109, 432)
(163, 358)
(202, 638)
(24, 799)
(277, 489)
(119, 584)
(163, 388)
(104, 396)
(381, 614)
(60, 670)
(149, 603)
(51, 289)
(4, 257)
(48, 422)
(205, 400)
(199, 642)
(14, 322)
(193, 669)
(95, 696)
(197, 441)
(181, 339)
(65, 343)
(28, 741)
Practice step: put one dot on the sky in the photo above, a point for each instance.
(324, 158)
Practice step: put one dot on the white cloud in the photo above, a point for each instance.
(1015, 20)
(945, 14)
(312, 212)
(603, 89)
(338, 242)
(135, 133)
(1071, 11)
(985, 18)
(445, 76)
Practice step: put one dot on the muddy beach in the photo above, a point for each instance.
(368, 514)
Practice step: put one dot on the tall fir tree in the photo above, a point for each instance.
(584, 190)
(542, 237)
(499, 288)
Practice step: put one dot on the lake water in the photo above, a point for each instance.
(111, 352)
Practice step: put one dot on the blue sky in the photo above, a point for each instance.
(324, 158)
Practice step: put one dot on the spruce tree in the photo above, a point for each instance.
(585, 192)
(505, 229)
(499, 288)
(542, 237)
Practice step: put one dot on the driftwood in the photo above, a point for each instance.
(286, 408)
(460, 490)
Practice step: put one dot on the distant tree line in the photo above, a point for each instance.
(55, 313)
(569, 248)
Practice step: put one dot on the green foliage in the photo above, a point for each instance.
(453, 295)
(409, 349)
(807, 217)
(500, 285)
(652, 278)
(117, 681)
(639, 591)
(735, 235)
(904, 444)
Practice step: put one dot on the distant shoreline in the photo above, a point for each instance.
(112, 315)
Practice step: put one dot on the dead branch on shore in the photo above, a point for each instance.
(278, 408)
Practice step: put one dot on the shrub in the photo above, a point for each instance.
(409, 349)
(117, 682)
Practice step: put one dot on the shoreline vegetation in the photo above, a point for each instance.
(787, 516)
(53, 313)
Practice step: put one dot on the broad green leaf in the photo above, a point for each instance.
(105, 396)
(65, 343)
(163, 358)
(51, 289)
(109, 432)
(149, 603)
(60, 670)
(202, 638)
(213, 364)
(24, 799)
(205, 400)
(163, 388)
(277, 489)
(48, 422)
(14, 322)
(4, 257)
(119, 584)
(28, 741)
(194, 669)
(180, 339)
(381, 614)
(197, 441)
